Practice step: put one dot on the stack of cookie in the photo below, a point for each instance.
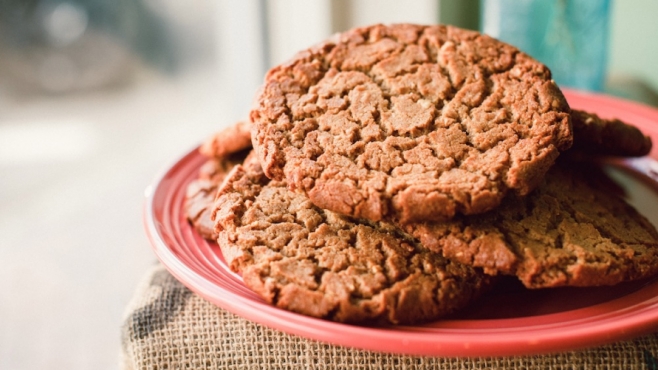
(397, 170)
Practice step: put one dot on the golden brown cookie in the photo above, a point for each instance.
(413, 122)
(304, 259)
(200, 193)
(595, 135)
(229, 140)
(224, 150)
(571, 231)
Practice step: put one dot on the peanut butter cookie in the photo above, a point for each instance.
(598, 136)
(315, 262)
(574, 230)
(411, 122)
(224, 150)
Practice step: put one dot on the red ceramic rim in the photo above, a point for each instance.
(200, 266)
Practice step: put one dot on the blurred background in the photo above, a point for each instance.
(99, 96)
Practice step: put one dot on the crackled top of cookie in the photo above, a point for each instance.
(596, 135)
(318, 263)
(574, 230)
(411, 122)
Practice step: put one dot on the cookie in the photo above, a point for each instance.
(200, 193)
(229, 140)
(595, 135)
(224, 150)
(571, 231)
(301, 258)
(410, 122)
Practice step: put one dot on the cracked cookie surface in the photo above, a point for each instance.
(410, 122)
(315, 262)
(598, 136)
(573, 230)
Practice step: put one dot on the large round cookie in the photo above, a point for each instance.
(574, 230)
(410, 122)
(318, 263)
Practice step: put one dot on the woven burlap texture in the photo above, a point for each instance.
(166, 326)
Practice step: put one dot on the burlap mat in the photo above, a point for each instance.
(168, 327)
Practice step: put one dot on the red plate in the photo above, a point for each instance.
(513, 321)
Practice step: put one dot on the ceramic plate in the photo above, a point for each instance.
(509, 321)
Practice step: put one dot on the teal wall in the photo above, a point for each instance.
(634, 40)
